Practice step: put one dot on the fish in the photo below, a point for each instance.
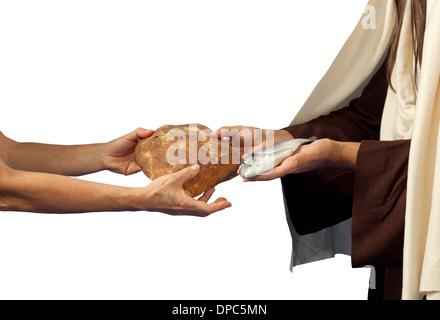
(264, 160)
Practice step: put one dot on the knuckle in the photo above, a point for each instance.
(294, 163)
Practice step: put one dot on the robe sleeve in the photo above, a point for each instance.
(380, 203)
(374, 194)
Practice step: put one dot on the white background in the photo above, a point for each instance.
(75, 72)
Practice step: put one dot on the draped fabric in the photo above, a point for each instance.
(409, 113)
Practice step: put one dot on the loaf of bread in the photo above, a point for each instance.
(173, 148)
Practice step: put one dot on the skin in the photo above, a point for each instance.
(38, 178)
(324, 153)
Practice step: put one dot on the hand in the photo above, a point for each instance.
(118, 154)
(320, 154)
(166, 195)
(250, 139)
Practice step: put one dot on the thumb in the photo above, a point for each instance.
(141, 133)
(187, 174)
(299, 160)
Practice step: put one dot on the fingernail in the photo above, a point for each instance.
(195, 167)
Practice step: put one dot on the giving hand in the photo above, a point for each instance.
(249, 139)
(324, 153)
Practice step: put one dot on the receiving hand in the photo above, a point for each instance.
(118, 154)
(166, 194)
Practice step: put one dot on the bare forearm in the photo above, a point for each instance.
(65, 160)
(49, 193)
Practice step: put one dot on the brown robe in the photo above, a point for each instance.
(373, 195)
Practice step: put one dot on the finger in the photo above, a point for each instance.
(218, 205)
(186, 174)
(248, 151)
(207, 195)
(133, 168)
(287, 167)
(226, 131)
(216, 134)
(203, 209)
(138, 134)
(220, 200)
(141, 133)
(275, 174)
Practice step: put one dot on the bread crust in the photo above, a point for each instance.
(174, 147)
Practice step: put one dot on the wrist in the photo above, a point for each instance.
(345, 154)
(7, 147)
(282, 135)
(135, 199)
(103, 152)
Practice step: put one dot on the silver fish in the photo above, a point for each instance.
(266, 159)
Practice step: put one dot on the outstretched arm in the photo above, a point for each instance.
(50, 193)
(116, 155)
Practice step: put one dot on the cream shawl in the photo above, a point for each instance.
(408, 114)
